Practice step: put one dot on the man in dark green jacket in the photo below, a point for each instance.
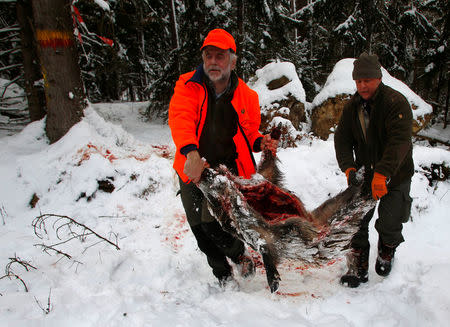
(375, 131)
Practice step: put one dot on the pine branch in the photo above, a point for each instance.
(10, 67)
(12, 28)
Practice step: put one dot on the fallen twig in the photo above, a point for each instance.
(23, 263)
(39, 225)
(46, 248)
(49, 306)
(17, 277)
(3, 213)
(10, 273)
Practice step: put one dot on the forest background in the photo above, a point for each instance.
(154, 41)
(133, 50)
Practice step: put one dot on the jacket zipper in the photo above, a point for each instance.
(361, 132)
(201, 107)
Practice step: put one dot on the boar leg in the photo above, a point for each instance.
(273, 277)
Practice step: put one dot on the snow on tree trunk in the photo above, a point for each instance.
(58, 56)
(174, 31)
(173, 23)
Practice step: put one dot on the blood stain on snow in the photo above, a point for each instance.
(176, 231)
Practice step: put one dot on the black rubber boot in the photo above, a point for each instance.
(358, 268)
(385, 258)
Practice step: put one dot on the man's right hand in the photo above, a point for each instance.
(194, 166)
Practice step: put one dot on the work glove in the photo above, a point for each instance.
(379, 188)
(351, 176)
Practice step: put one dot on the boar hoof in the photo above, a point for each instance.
(274, 282)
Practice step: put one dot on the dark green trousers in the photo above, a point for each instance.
(394, 210)
(212, 240)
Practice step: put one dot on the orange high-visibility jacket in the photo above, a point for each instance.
(187, 112)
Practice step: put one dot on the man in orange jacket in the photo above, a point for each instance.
(214, 118)
(375, 131)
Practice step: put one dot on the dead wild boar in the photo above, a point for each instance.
(274, 222)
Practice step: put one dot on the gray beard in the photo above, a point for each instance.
(223, 78)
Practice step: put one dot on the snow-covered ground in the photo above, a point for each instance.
(159, 277)
(13, 108)
(437, 132)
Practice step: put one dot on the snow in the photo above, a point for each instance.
(346, 25)
(11, 96)
(429, 67)
(437, 132)
(210, 3)
(103, 4)
(340, 81)
(159, 277)
(274, 71)
(13, 108)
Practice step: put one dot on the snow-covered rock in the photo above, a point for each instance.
(281, 95)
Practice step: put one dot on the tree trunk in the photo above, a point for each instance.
(240, 35)
(173, 25)
(174, 32)
(58, 56)
(240, 22)
(32, 74)
(446, 104)
(295, 31)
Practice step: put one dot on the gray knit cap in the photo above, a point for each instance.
(366, 66)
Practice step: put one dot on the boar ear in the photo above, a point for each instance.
(276, 132)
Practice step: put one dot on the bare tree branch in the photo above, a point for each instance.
(9, 273)
(21, 262)
(17, 277)
(12, 28)
(3, 213)
(49, 306)
(10, 67)
(67, 223)
(46, 248)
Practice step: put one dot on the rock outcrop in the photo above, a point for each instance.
(282, 100)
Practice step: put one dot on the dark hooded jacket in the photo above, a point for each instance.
(385, 146)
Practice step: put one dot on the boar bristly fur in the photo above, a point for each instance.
(275, 223)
